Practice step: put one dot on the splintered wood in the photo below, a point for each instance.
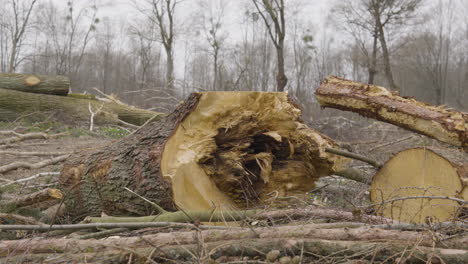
(373, 101)
(223, 150)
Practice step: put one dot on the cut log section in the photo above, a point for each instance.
(43, 84)
(224, 150)
(377, 102)
(70, 109)
(412, 173)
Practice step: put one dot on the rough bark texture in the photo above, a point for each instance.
(209, 146)
(309, 231)
(251, 251)
(35, 198)
(42, 84)
(93, 182)
(295, 240)
(446, 125)
(69, 109)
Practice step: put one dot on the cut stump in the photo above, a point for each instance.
(417, 172)
(224, 150)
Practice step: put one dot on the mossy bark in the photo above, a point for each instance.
(69, 109)
(42, 84)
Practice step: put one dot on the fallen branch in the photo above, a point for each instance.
(42, 174)
(18, 219)
(35, 198)
(33, 153)
(226, 216)
(391, 143)
(227, 236)
(315, 249)
(373, 101)
(353, 156)
(21, 137)
(353, 174)
(26, 165)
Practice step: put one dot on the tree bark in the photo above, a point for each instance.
(34, 198)
(70, 109)
(218, 149)
(43, 84)
(446, 125)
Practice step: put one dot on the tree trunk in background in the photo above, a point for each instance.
(446, 125)
(69, 109)
(373, 62)
(226, 150)
(43, 84)
(281, 79)
(386, 55)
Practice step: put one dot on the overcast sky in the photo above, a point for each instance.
(122, 13)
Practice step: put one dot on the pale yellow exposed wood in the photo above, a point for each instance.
(417, 172)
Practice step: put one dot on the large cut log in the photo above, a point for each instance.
(373, 101)
(43, 84)
(227, 150)
(419, 172)
(70, 109)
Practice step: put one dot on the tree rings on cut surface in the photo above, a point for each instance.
(417, 172)
(32, 80)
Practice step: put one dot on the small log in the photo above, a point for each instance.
(71, 109)
(29, 83)
(226, 150)
(34, 198)
(373, 101)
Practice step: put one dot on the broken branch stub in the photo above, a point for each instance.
(373, 101)
(218, 149)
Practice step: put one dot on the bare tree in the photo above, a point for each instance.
(210, 20)
(272, 13)
(390, 12)
(161, 15)
(21, 15)
(354, 18)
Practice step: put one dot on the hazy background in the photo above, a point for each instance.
(117, 46)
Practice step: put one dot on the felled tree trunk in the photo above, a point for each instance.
(419, 172)
(43, 84)
(446, 125)
(227, 150)
(69, 109)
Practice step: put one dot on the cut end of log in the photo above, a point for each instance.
(32, 80)
(237, 149)
(417, 172)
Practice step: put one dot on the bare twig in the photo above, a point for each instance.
(26, 165)
(33, 153)
(21, 137)
(106, 225)
(93, 113)
(32, 177)
(353, 156)
(391, 143)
